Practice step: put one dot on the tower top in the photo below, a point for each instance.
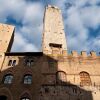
(53, 31)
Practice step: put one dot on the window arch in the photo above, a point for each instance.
(8, 79)
(25, 98)
(28, 79)
(61, 77)
(85, 79)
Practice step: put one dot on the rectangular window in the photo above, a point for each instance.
(55, 45)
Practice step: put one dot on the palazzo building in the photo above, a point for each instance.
(52, 74)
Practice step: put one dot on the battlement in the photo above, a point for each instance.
(84, 54)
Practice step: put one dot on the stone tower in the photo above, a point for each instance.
(53, 32)
(6, 37)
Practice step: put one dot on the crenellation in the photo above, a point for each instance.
(93, 54)
(83, 53)
(74, 53)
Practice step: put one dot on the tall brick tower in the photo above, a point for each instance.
(53, 32)
(6, 37)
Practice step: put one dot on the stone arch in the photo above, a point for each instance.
(6, 92)
(25, 94)
(61, 77)
(85, 79)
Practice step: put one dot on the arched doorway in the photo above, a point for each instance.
(2, 97)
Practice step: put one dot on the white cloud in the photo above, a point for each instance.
(91, 16)
(22, 44)
(33, 14)
(30, 15)
(78, 18)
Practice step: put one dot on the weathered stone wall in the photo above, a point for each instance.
(6, 37)
(53, 30)
(45, 85)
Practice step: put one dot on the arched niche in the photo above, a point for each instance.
(5, 94)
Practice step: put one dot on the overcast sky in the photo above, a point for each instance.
(81, 21)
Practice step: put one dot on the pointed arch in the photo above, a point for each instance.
(25, 96)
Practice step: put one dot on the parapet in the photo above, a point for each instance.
(84, 54)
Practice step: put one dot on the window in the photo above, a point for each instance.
(28, 79)
(8, 79)
(85, 79)
(46, 90)
(25, 98)
(61, 77)
(12, 63)
(55, 45)
(29, 62)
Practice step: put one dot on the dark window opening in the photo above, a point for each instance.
(29, 62)
(74, 90)
(46, 90)
(55, 45)
(12, 63)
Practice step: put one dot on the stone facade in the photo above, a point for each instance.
(52, 74)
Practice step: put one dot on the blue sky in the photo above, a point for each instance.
(81, 21)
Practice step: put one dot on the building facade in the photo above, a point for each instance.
(52, 74)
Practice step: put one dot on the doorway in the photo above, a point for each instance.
(3, 97)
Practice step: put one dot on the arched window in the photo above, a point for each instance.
(25, 98)
(28, 79)
(61, 77)
(85, 79)
(8, 79)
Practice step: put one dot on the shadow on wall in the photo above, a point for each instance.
(36, 77)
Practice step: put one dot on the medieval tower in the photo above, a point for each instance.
(53, 36)
(52, 74)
